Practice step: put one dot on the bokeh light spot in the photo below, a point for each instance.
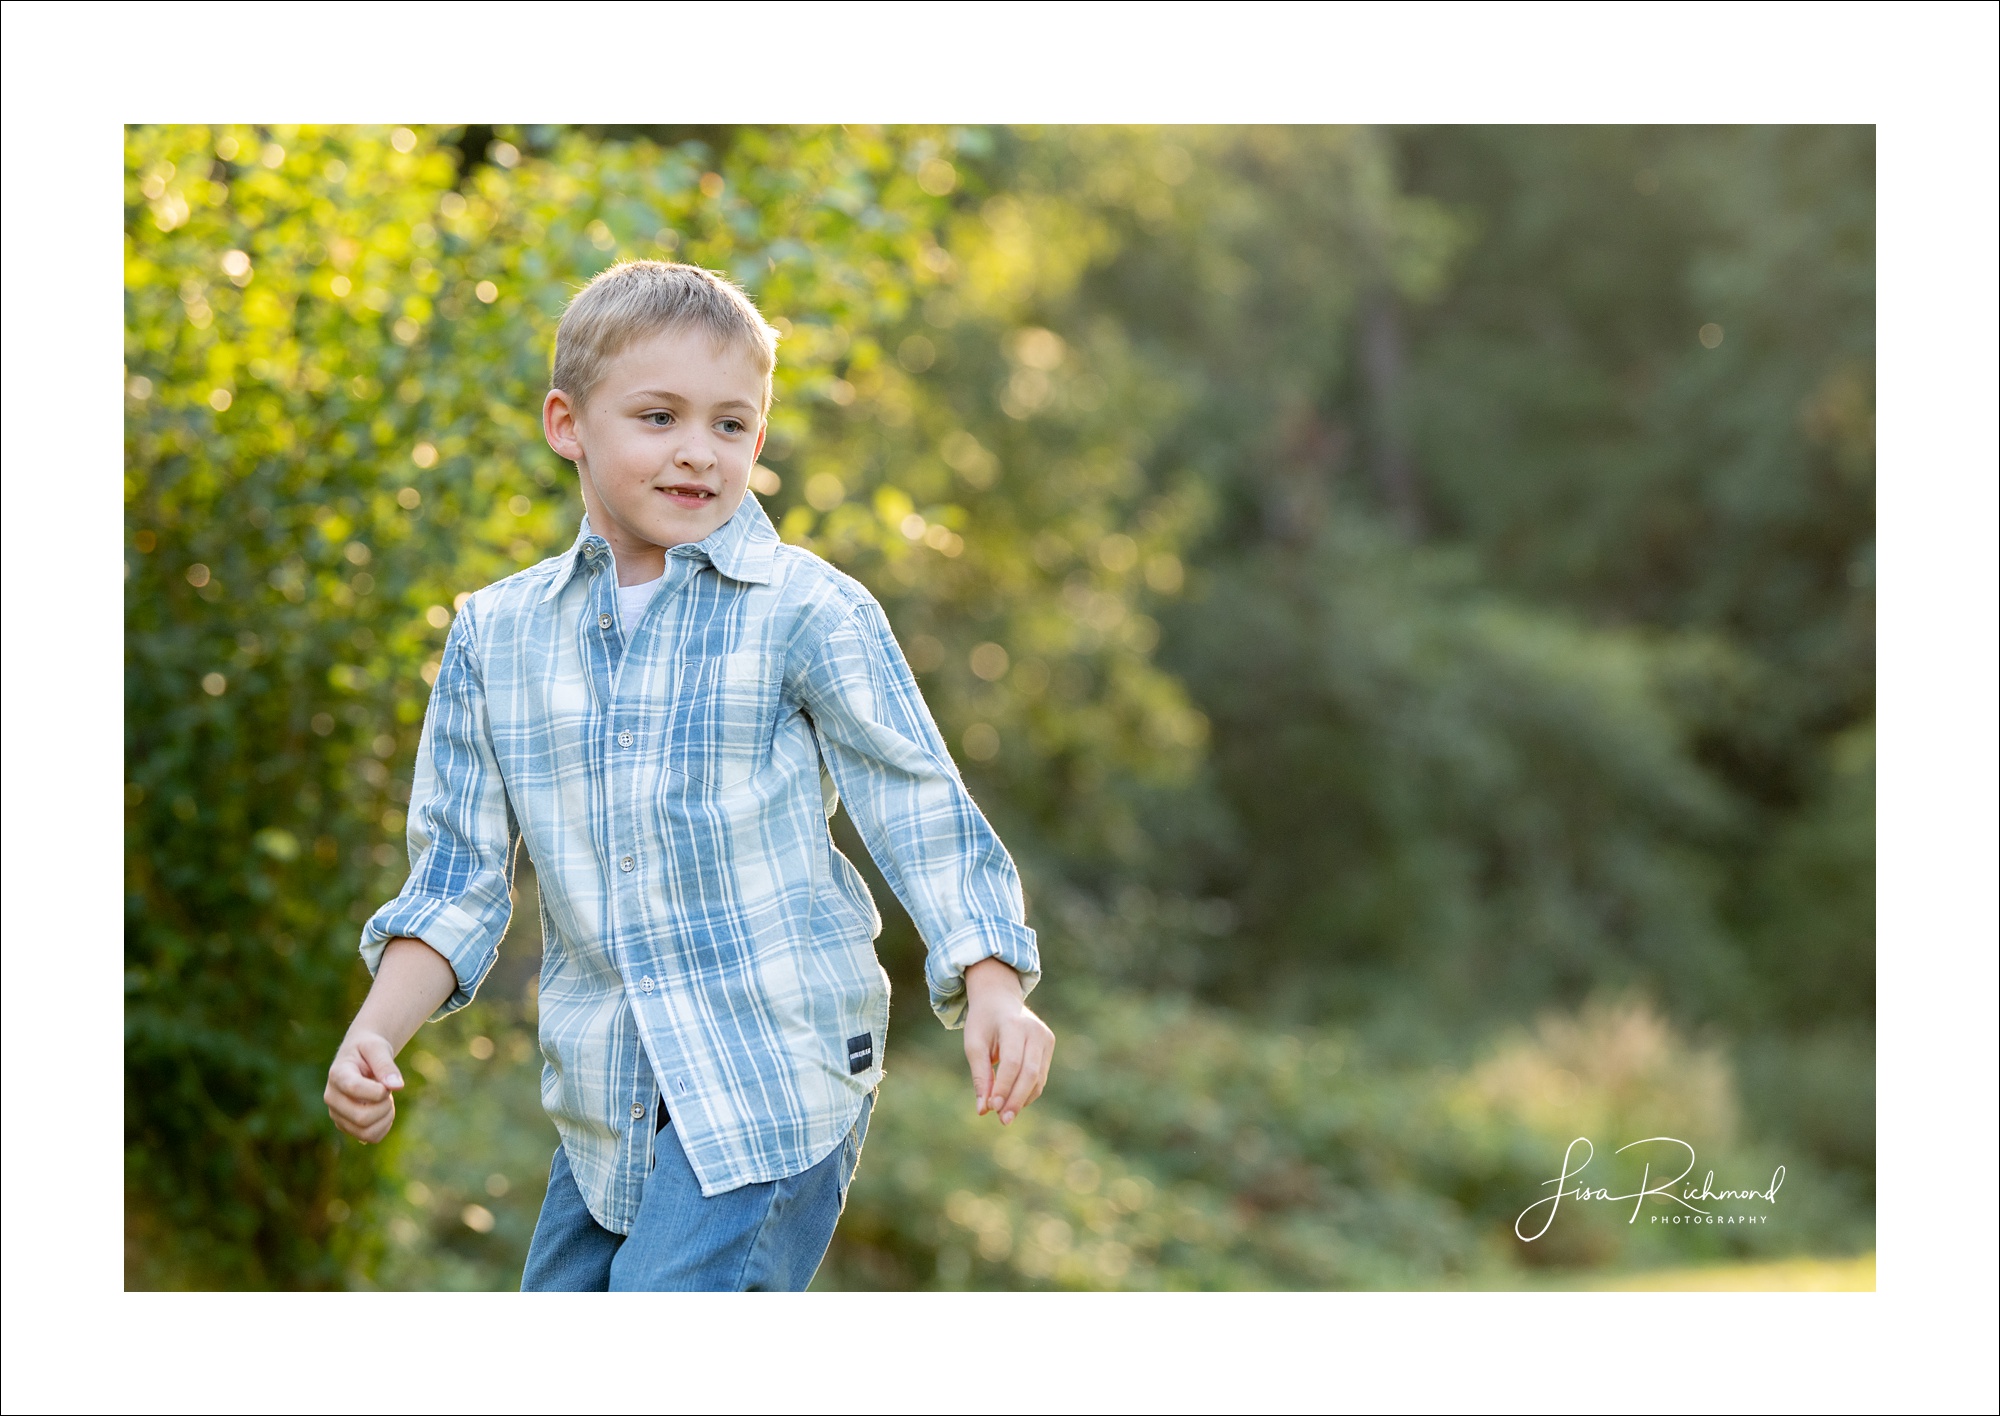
(1173, 165)
(1037, 348)
(937, 177)
(989, 661)
(1118, 553)
(824, 491)
(1164, 573)
(964, 454)
(944, 540)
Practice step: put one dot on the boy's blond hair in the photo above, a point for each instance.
(636, 298)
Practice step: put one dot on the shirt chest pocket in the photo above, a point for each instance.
(726, 719)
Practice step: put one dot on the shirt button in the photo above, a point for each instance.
(625, 739)
(604, 621)
(627, 863)
(646, 985)
(638, 1110)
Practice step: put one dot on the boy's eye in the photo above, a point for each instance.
(658, 419)
(731, 425)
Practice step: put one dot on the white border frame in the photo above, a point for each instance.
(1926, 74)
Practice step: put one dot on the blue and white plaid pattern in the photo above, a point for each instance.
(672, 781)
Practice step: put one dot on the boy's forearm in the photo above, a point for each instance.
(993, 974)
(412, 983)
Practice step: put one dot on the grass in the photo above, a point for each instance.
(1855, 1274)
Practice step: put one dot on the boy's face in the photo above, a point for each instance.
(665, 445)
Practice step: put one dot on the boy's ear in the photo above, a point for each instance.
(762, 428)
(559, 426)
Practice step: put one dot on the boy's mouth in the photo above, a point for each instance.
(688, 493)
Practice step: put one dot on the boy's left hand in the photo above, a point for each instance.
(1006, 1045)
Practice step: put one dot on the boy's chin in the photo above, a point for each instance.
(683, 526)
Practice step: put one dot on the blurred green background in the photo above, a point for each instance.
(1404, 595)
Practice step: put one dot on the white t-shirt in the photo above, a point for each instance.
(632, 602)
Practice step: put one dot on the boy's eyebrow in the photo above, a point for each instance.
(662, 395)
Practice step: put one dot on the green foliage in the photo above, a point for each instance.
(1443, 789)
(1373, 606)
(1813, 936)
(1578, 429)
(1522, 616)
(1242, 1157)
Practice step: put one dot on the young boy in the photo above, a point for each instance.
(667, 715)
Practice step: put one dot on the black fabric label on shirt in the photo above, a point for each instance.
(860, 1053)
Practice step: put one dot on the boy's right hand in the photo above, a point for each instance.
(361, 1086)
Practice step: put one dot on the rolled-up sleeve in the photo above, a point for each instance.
(903, 792)
(462, 831)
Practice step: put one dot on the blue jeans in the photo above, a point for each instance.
(768, 1237)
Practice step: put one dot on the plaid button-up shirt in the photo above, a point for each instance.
(672, 781)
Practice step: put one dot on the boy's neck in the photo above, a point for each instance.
(638, 564)
(637, 559)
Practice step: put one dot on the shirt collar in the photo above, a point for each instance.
(742, 548)
(745, 546)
